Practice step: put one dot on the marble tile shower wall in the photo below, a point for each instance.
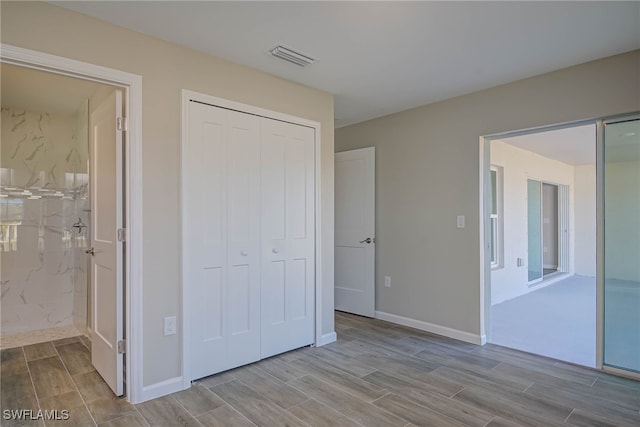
(82, 237)
(44, 193)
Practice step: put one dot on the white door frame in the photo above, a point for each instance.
(131, 84)
(187, 96)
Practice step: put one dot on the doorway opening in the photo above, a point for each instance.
(543, 290)
(131, 162)
(59, 167)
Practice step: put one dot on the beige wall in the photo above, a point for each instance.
(166, 70)
(427, 162)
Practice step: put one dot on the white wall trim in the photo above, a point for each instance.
(434, 329)
(484, 227)
(162, 388)
(187, 96)
(132, 85)
(327, 339)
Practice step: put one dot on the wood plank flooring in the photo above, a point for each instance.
(376, 374)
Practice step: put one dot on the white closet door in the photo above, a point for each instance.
(221, 239)
(288, 262)
(243, 213)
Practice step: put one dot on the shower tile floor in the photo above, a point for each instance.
(38, 336)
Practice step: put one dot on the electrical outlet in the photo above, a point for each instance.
(170, 325)
(387, 281)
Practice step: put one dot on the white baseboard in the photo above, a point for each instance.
(327, 339)
(434, 329)
(162, 388)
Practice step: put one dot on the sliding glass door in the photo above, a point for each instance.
(622, 244)
(534, 229)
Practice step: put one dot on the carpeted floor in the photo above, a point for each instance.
(558, 321)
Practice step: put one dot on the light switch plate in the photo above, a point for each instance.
(387, 281)
(460, 221)
(170, 325)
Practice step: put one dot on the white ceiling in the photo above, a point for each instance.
(575, 146)
(379, 58)
(27, 89)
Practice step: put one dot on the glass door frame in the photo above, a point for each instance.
(600, 242)
(485, 229)
(561, 216)
(540, 225)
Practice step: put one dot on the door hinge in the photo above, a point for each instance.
(122, 234)
(122, 124)
(122, 346)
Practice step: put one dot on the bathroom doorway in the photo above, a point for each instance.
(58, 172)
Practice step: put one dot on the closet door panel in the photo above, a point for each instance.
(287, 236)
(205, 238)
(243, 207)
(249, 238)
(297, 307)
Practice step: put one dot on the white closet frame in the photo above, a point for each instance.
(188, 96)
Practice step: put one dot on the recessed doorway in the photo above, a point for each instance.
(543, 292)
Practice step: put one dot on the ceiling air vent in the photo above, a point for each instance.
(292, 56)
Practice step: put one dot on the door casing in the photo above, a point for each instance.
(131, 85)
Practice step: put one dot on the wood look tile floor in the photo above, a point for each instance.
(376, 374)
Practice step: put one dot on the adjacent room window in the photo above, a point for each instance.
(495, 204)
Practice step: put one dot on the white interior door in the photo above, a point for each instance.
(106, 218)
(221, 238)
(355, 231)
(288, 236)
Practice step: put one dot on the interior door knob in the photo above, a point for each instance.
(244, 253)
(368, 240)
(274, 250)
(91, 252)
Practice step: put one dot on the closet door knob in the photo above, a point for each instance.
(244, 253)
(274, 250)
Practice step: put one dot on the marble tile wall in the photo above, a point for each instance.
(82, 238)
(44, 192)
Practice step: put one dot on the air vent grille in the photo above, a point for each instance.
(292, 56)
